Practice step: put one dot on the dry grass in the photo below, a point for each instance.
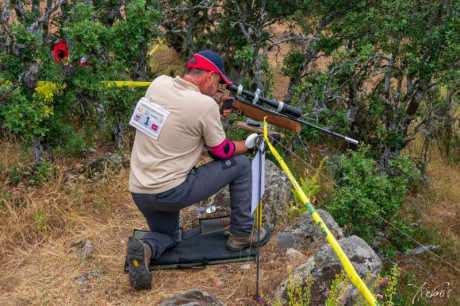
(165, 61)
(438, 207)
(444, 201)
(38, 265)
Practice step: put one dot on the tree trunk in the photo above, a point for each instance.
(309, 56)
(389, 153)
(41, 148)
(258, 71)
(447, 135)
(117, 130)
(115, 13)
(31, 76)
(140, 72)
(100, 115)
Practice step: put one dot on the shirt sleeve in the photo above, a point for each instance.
(213, 132)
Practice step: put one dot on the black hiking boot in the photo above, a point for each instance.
(139, 255)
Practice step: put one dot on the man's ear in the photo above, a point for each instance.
(210, 75)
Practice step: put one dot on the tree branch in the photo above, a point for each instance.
(295, 37)
(205, 4)
(19, 9)
(114, 12)
(46, 16)
(417, 128)
(4, 21)
(419, 250)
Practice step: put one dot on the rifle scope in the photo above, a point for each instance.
(280, 107)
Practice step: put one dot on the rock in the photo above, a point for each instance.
(193, 297)
(99, 166)
(104, 163)
(325, 264)
(70, 180)
(88, 276)
(219, 284)
(246, 267)
(305, 233)
(85, 248)
(295, 258)
(277, 193)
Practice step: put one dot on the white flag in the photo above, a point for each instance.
(258, 180)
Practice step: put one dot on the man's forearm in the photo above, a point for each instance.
(240, 147)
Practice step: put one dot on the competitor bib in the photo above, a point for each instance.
(149, 118)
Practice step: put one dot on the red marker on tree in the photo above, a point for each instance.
(61, 53)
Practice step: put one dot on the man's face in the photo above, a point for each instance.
(212, 85)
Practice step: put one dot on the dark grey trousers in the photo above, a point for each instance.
(162, 210)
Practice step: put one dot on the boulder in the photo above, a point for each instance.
(277, 195)
(295, 258)
(305, 233)
(88, 276)
(84, 248)
(324, 265)
(192, 297)
(98, 166)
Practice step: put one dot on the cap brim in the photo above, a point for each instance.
(224, 80)
(205, 64)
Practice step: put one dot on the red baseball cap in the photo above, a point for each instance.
(210, 61)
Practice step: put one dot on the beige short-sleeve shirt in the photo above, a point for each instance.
(193, 121)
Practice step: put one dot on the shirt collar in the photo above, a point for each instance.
(181, 82)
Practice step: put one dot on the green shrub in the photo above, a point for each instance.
(298, 293)
(310, 186)
(74, 143)
(15, 174)
(366, 199)
(40, 219)
(42, 173)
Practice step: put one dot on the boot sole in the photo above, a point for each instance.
(261, 243)
(139, 276)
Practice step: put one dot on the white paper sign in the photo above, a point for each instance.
(149, 118)
(258, 180)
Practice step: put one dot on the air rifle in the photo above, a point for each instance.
(281, 114)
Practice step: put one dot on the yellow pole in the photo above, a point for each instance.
(126, 84)
(157, 46)
(355, 279)
(258, 215)
(114, 83)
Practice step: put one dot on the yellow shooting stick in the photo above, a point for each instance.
(355, 279)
